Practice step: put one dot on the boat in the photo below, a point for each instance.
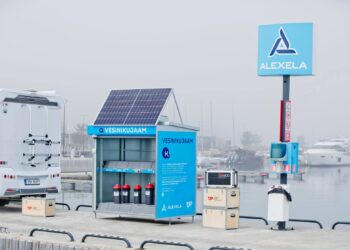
(332, 152)
(239, 159)
(246, 160)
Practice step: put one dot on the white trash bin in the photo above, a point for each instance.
(278, 203)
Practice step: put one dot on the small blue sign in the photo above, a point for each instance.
(122, 130)
(176, 174)
(285, 49)
(165, 153)
(284, 157)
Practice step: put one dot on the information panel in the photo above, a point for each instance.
(176, 174)
(285, 49)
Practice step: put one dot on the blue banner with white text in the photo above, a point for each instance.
(122, 130)
(176, 174)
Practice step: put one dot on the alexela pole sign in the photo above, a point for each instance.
(284, 50)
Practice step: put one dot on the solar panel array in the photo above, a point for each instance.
(133, 107)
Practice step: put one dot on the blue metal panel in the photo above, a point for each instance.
(294, 154)
(122, 130)
(176, 174)
(290, 159)
(285, 49)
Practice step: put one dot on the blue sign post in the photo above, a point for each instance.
(176, 174)
(285, 50)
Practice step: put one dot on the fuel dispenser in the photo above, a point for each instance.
(284, 159)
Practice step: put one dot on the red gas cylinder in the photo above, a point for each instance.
(149, 194)
(117, 193)
(126, 193)
(137, 194)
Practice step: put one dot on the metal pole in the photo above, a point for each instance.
(233, 143)
(177, 107)
(285, 97)
(64, 129)
(83, 135)
(211, 127)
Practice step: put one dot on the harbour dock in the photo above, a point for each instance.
(250, 235)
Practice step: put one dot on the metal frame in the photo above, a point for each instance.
(163, 108)
(254, 218)
(101, 140)
(340, 223)
(94, 182)
(224, 248)
(308, 221)
(51, 231)
(96, 202)
(82, 205)
(177, 107)
(169, 243)
(156, 167)
(63, 204)
(127, 242)
(97, 188)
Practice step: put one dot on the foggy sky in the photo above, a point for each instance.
(205, 50)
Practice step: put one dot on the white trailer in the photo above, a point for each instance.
(30, 135)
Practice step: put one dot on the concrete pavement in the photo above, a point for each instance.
(251, 235)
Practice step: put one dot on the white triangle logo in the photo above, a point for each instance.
(163, 208)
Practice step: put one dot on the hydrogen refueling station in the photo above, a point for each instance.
(145, 165)
(284, 50)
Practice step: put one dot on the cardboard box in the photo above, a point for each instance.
(221, 197)
(221, 218)
(38, 206)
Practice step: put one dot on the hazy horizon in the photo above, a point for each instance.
(205, 50)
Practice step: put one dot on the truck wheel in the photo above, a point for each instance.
(4, 202)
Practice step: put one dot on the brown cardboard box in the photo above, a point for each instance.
(221, 197)
(38, 206)
(221, 218)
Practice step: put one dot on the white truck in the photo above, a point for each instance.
(30, 135)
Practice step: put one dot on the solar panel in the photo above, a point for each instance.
(133, 107)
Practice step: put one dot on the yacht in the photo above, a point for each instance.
(333, 152)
